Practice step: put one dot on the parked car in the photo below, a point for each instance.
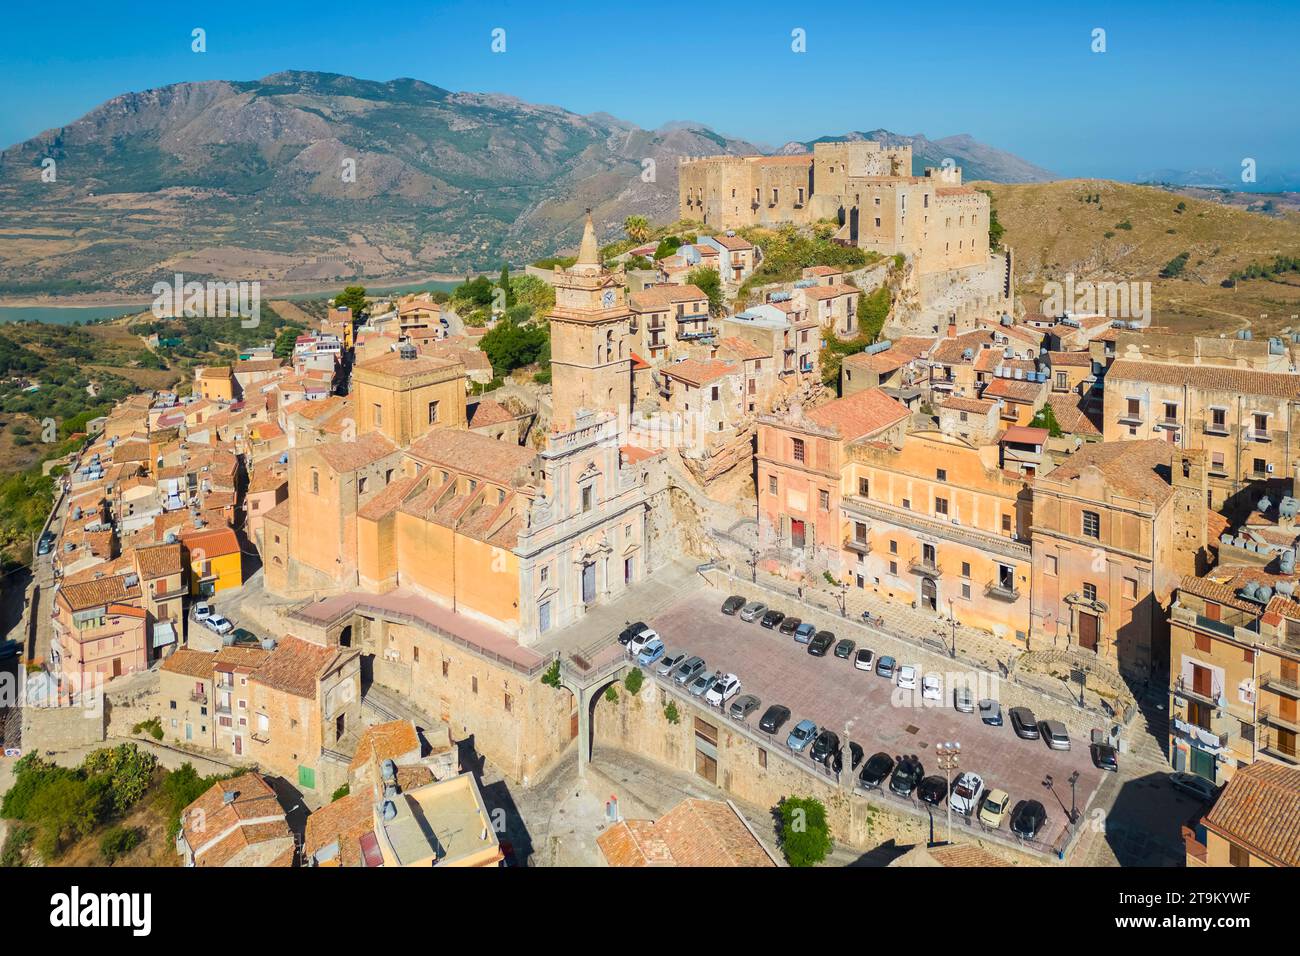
(651, 652)
(46, 544)
(995, 808)
(991, 712)
(1054, 732)
(1027, 819)
(907, 677)
(772, 618)
(733, 604)
(826, 745)
(688, 670)
(632, 630)
(930, 687)
(963, 700)
(856, 753)
(1024, 723)
(864, 659)
(789, 626)
(670, 663)
(801, 736)
(804, 632)
(244, 636)
(215, 622)
(638, 643)
(844, 649)
(752, 610)
(743, 706)
(1105, 758)
(885, 667)
(933, 789)
(821, 643)
(773, 718)
(202, 611)
(1190, 783)
(875, 770)
(966, 792)
(724, 688)
(701, 683)
(907, 775)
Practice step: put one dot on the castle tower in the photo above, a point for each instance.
(591, 327)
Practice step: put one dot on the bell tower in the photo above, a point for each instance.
(591, 359)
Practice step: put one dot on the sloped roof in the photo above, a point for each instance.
(1260, 810)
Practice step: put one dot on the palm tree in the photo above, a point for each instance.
(637, 228)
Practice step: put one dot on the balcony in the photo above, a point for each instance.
(1002, 592)
(199, 697)
(261, 738)
(1281, 686)
(948, 529)
(922, 566)
(1170, 423)
(1251, 434)
(1184, 689)
(857, 545)
(1268, 716)
(1203, 737)
(1219, 429)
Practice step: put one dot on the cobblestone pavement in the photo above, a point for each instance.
(877, 714)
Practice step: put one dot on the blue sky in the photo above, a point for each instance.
(1181, 85)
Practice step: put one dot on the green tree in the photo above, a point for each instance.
(505, 285)
(285, 340)
(510, 345)
(1175, 266)
(805, 835)
(710, 283)
(667, 246)
(1046, 418)
(354, 297)
(118, 841)
(671, 714)
(637, 228)
(340, 793)
(633, 681)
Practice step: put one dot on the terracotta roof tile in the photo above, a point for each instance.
(858, 416)
(1213, 377)
(1260, 809)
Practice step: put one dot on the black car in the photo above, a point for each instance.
(907, 775)
(733, 604)
(1027, 819)
(1105, 758)
(632, 630)
(772, 618)
(1024, 723)
(789, 625)
(821, 643)
(933, 790)
(844, 649)
(875, 770)
(824, 745)
(773, 718)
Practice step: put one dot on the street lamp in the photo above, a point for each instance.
(1074, 813)
(948, 754)
(952, 616)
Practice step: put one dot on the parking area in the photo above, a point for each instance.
(878, 716)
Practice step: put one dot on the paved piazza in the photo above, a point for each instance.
(833, 693)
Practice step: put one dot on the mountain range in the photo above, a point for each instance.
(306, 179)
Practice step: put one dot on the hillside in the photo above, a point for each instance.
(1131, 232)
(246, 180)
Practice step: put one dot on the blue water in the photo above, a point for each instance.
(60, 315)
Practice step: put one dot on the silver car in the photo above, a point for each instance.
(670, 663)
(1054, 732)
(963, 700)
(1190, 783)
(753, 611)
(687, 671)
(702, 682)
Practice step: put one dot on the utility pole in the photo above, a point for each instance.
(949, 754)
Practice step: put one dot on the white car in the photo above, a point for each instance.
(907, 677)
(864, 659)
(638, 643)
(215, 622)
(724, 688)
(930, 687)
(966, 792)
(202, 611)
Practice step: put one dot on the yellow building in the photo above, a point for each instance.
(937, 524)
(215, 560)
(403, 395)
(215, 383)
(1234, 666)
(1243, 419)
